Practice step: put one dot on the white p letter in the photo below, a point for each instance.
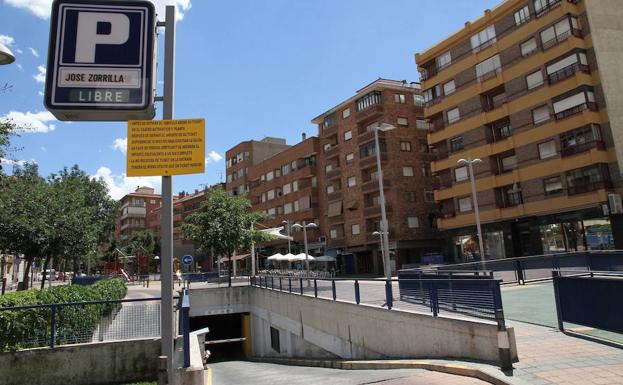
(88, 38)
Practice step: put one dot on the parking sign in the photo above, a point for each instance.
(101, 60)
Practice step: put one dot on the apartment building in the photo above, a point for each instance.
(134, 209)
(247, 154)
(285, 186)
(348, 185)
(532, 89)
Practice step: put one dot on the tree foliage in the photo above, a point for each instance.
(223, 225)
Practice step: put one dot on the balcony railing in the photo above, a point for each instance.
(334, 196)
(588, 187)
(562, 37)
(576, 110)
(331, 152)
(490, 74)
(336, 172)
(370, 112)
(373, 185)
(578, 148)
(567, 72)
(552, 4)
(336, 219)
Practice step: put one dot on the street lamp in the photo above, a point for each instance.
(380, 235)
(287, 223)
(6, 56)
(469, 162)
(305, 226)
(384, 226)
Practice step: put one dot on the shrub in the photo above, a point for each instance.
(28, 328)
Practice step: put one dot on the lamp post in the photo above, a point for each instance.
(384, 226)
(287, 223)
(380, 235)
(469, 162)
(6, 56)
(305, 226)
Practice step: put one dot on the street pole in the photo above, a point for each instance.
(288, 230)
(166, 289)
(384, 227)
(476, 210)
(252, 253)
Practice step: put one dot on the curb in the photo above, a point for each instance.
(459, 370)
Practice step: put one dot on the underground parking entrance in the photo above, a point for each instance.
(229, 338)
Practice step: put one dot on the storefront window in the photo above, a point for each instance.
(598, 234)
(494, 245)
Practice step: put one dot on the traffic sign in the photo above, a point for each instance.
(187, 260)
(101, 60)
(165, 147)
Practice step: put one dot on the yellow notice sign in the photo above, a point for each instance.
(166, 147)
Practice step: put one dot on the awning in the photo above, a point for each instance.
(275, 257)
(289, 257)
(276, 232)
(335, 209)
(234, 258)
(351, 205)
(301, 257)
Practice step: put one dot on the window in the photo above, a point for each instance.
(573, 104)
(413, 222)
(270, 194)
(559, 32)
(330, 189)
(346, 113)
(508, 163)
(483, 39)
(333, 233)
(418, 100)
(328, 168)
(409, 196)
(426, 170)
(424, 146)
(547, 149)
(285, 169)
(152, 201)
(486, 69)
(534, 79)
(278, 173)
(354, 229)
(293, 165)
(287, 189)
(453, 115)
(553, 185)
(368, 100)
(465, 204)
(460, 174)
(422, 124)
(587, 179)
(407, 171)
(581, 139)
(296, 206)
(449, 88)
(329, 121)
(522, 15)
(295, 186)
(566, 67)
(314, 181)
(429, 196)
(405, 146)
(350, 158)
(542, 6)
(399, 98)
(443, 60)
(369, 149)
(508, 196)
(402, 121)
(270, 176)
(351, 181)
(271, 211)
(456, 144)
(274, 339)
(528, 48)
(287, 208)
(540, 114)
(432, 93)
(263, 197)
(348, 135)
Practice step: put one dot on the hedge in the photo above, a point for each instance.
(30, 328)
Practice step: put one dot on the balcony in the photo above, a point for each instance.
(371, 160)
(364, 136)
(567, 72)
(373, 185)
(332, 152)
(578, 148)
(369, 112)
(588, 187)
(334, 196)
(576, 110)
(335, 173)
(547, 8)
(336, 219)
(329, 131)
(562, 37)
(374, 211)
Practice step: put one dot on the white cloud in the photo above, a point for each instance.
(40, 93)
(120, 185)
(6, 40)
(19, 51)
(121, 144)
(40, 76)
(44, 149)
(17, 162)
(34, 52)
(31, 121)
(19, 67)
(42, 8)
(213, 156)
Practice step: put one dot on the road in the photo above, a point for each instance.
(242, 372)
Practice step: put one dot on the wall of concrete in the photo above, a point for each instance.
(606, 25)
(349, 331)
(84, 364)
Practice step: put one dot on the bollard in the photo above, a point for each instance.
(162, 370)
(357, 297)
(280, 285)
(504, 347)
(389, 300)
(290, 285)
(301, 283)
(333, 289)
(315, 289)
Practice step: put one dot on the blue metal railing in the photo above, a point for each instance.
(185, 326)
(536, 268)
(478, 297)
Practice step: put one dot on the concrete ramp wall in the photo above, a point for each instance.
(318, 328)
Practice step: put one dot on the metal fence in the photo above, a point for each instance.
(472, 297)
(25, 327)
(536, 268)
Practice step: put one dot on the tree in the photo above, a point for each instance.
(223, 225)
(7, 130)
(142, 245)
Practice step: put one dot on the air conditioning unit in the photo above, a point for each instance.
(616, 206)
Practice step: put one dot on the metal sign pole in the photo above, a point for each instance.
(166, 311)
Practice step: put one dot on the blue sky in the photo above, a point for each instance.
(251, 68)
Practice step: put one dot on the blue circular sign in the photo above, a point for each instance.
(187, 260)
